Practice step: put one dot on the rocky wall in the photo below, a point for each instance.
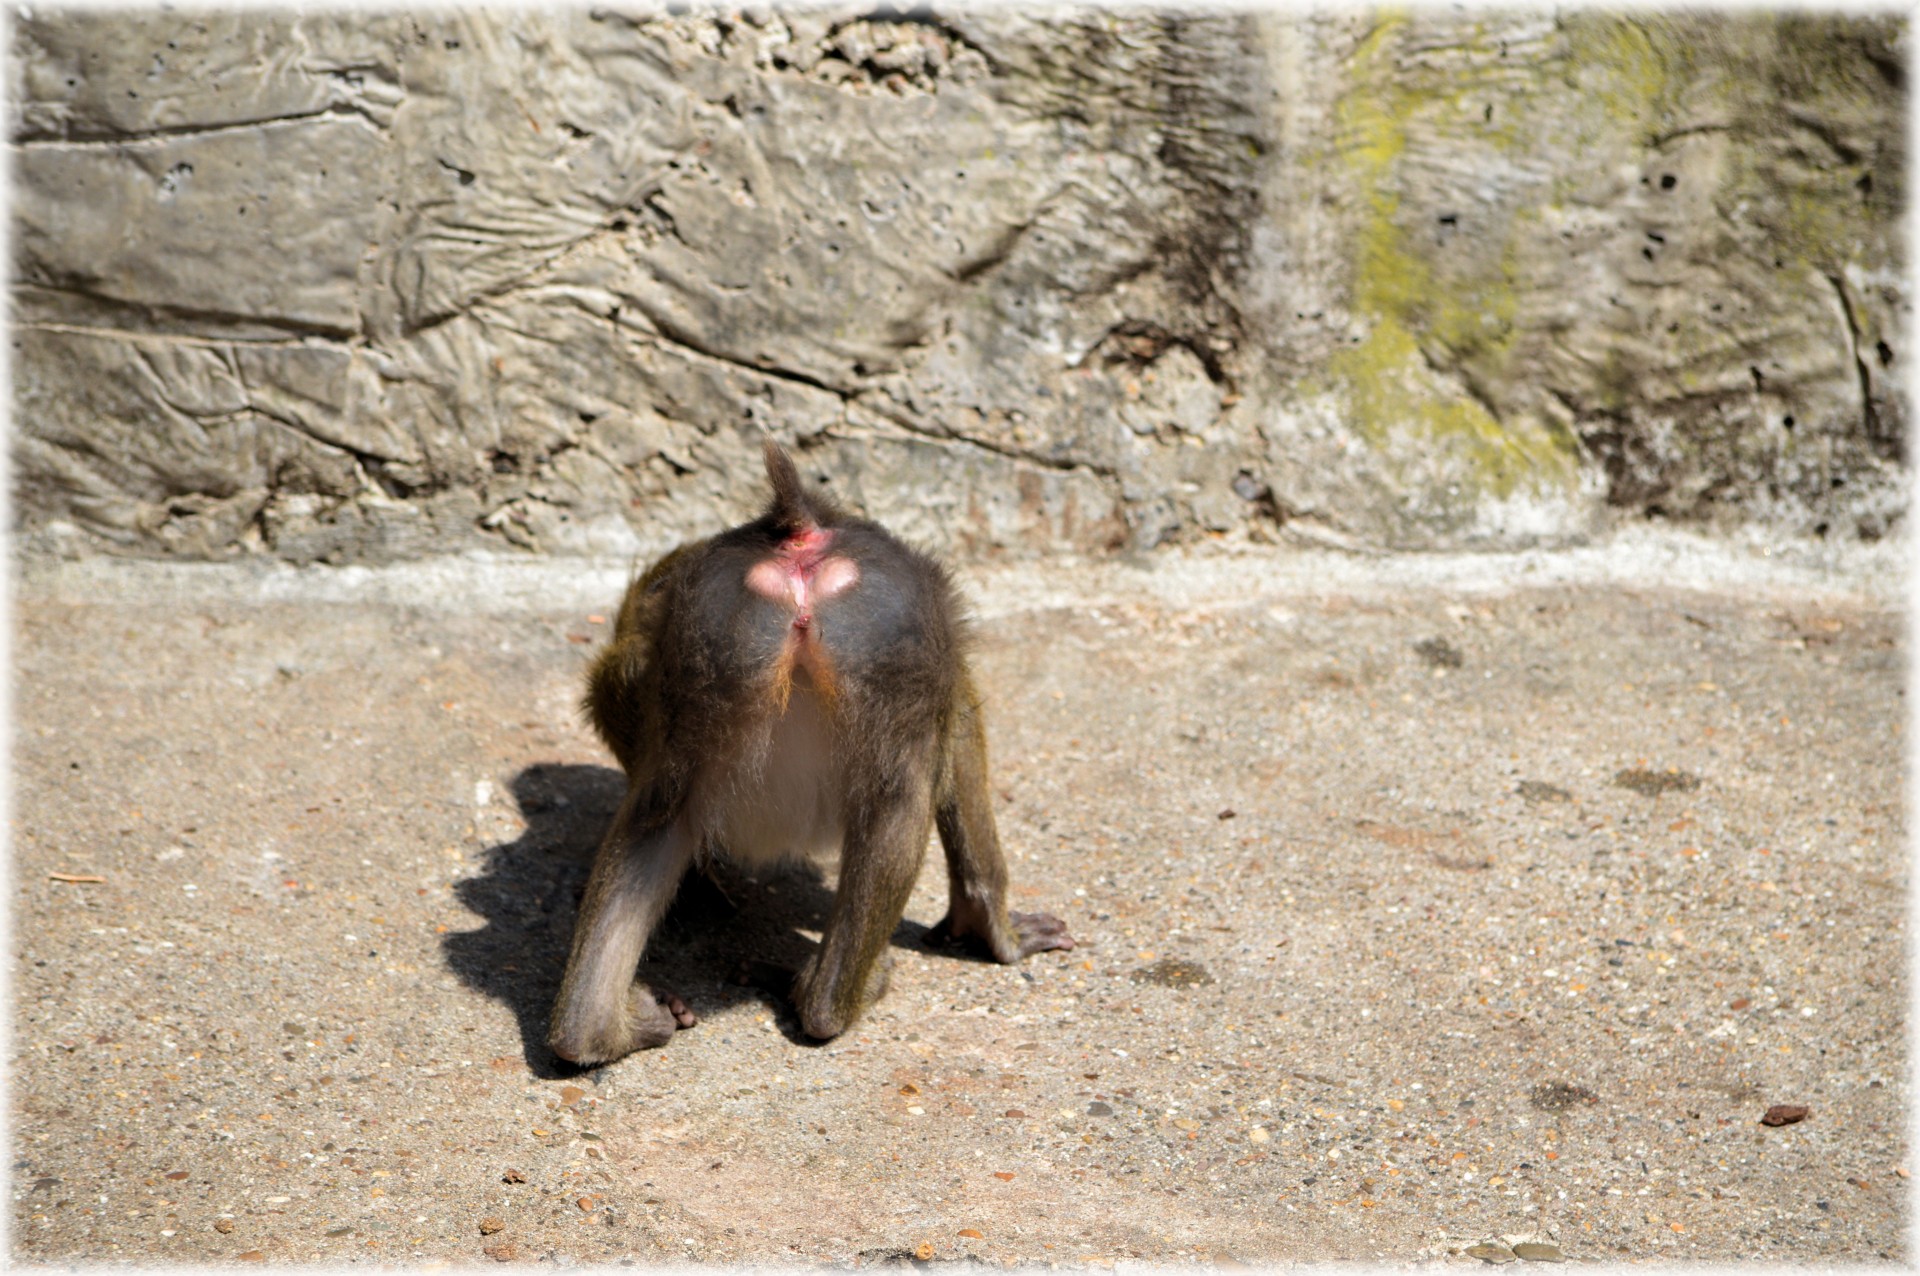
(368, 286)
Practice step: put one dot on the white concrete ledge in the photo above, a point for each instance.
(1208, 577)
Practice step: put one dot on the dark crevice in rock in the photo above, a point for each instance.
(1259, 494)
(477, 300)
(188, 339)
(667, 332)
(105, 138)
(1890, 67)
(160, 312)
(1869, 415)
(1458, 374)
(1656, 141)
(997, 252)
(532, 275)
(920, 16)
(1113, 281)
(1141, 342)
(1825, 131)
(373, 468)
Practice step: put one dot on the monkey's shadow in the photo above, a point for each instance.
(724, 922)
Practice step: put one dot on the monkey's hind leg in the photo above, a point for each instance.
(878, 866)
(976, 869)
(601, 1012)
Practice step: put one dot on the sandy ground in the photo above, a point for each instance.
(1422, 905)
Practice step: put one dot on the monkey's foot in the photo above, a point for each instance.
(650, 1021)
(1040, 932)
(1022, 935)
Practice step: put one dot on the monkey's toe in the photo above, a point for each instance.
(683, 1016)
(1040, 932)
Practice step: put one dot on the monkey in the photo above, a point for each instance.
(791, 687)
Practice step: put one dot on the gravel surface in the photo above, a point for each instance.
(1424, 916)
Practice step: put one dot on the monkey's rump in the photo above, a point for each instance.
(811, 658)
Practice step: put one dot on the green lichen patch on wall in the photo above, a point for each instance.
(1657, 250)
(1435, 333)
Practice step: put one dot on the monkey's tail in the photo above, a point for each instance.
(794, 508)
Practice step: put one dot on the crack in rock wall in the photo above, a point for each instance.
(367, 286)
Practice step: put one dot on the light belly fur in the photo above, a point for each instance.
(781, 797)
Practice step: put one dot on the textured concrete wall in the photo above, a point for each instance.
(359, 287)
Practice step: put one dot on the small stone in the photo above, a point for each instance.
(1558, 1096)
(504, 1252)
(1654, 783)
(971, 1232)
(223, 1225)
(251, 1256)
(1171, 972)
(177, 1175)
(1786, 1114)
(570, 1095)
(1097, 1108)
(896, 1257)
(513, 1176)
(1258, 1134)
(1439, 653)
(589, 1201)
(491, 1224)
(1539, 1252)
(336, 1233)
(925, 1251)
(1005, 1176)
(1016, 1114)
(1488, 1252)
(1541, 791)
